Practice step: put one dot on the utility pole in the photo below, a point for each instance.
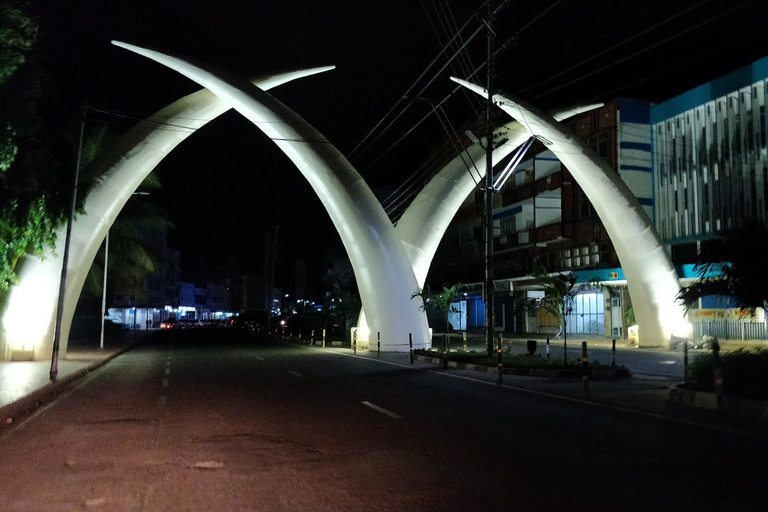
(65, 258)
(489, 286)
(269, 268)
(104, 289)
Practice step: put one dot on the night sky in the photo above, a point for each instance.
(226, 184)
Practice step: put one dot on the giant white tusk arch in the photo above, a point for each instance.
(424, 222)
(384, 275)
(651, 278)
(29, 315)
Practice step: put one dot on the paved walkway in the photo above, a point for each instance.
(20, 379)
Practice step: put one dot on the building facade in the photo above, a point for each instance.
(698, 166)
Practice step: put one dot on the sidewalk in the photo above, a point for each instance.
(26, 385)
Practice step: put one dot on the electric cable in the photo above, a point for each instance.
(407, 92)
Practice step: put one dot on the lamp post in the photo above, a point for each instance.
(65, 257)
(104, 285)
(489, 189)
(104, 290)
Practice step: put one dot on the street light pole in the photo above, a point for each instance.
(65, 258)
(104, 289)
(489, 286)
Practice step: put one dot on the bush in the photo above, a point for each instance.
(745, 373)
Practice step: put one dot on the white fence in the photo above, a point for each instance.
(729, 329)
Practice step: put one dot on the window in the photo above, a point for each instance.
(599, 143)
(507, 225)
(585, 206)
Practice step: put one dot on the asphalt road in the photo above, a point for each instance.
(199, 421)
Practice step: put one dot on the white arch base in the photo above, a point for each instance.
(29, 316)
(651, 278)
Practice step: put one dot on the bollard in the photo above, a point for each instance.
(565, 349)
(547, 347)
(410, 343)
(354, 342)
(445, 353)
(613, 354)
(465, 341)
(323, 338)
(585, 368)
(378, 344)
(685, 362)
(312, 338)
(718, 376)
(501, 366)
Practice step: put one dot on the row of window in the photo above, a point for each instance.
(711, 164)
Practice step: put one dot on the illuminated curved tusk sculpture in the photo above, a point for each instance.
(381, 266)
(651, 278)
(29, 316)
(423, 224)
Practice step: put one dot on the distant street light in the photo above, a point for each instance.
(104, 286)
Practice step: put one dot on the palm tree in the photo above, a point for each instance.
(558, 298)
(441, 302)
(734, 268)
(131, 253)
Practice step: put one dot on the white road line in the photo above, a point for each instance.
(599, 405)
(259, 358)
(161, 401)
(667, 362)
(166, 383)
(382, 410)
(167, 371)
(295, 373)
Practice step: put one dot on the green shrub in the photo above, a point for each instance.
(745, 373)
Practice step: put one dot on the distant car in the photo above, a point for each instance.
(188, 324)
(168, 323)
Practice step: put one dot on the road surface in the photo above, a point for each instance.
(207, 421)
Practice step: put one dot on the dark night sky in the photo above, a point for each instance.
(223, 186)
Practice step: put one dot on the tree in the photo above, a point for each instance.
(440, 302)
(132, 255)
(558, 298)
(342, 307)
(34, 195)
(733, 267)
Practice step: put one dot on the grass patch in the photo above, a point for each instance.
(745, 373)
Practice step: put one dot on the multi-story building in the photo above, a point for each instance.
(711, 174)
(696, 163)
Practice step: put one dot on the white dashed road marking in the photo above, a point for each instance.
(382, 410)
(667, 362)
(166, 383)
(297, 374)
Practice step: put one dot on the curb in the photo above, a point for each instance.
(17, 412)
(575, 373)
